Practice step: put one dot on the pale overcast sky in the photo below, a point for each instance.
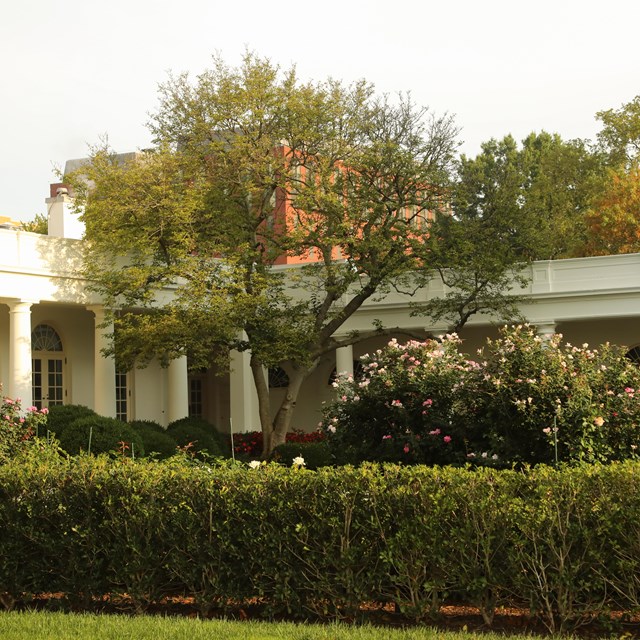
(76, 70)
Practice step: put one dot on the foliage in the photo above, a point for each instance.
(249, 444)
(619, 138)
(533, 394)
(197, 436)
(314, 454)
(62, 415)
(39, 224)
(408, 405)
(99, 434)
(155, 439)
(253, 169)
(18, 429)
(220, 438)
(613, 221)
(528, 400)
(509, 205)
(562, 542)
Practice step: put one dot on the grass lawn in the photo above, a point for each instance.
(63, 626)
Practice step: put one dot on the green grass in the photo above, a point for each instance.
(62, 626)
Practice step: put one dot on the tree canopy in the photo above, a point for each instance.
(509, 205)
(252, 169)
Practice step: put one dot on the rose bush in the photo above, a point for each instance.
(407, 405)
(18, 428)
(527, 400)
(544, 400)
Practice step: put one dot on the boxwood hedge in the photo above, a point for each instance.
(561, 542)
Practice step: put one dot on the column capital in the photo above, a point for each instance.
(20, 304)
(98, 310)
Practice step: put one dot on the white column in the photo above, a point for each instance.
(344, 360)
(104, 368)
(20, 352)
(546, 330)
(245, 415)
(178, 389)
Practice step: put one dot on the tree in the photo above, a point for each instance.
(613, 222)
(613, 218)
(620, 134)
(39, 224)
(252, 168)
(509, 205)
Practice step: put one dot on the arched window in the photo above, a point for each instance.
(47, 365)
(634, 355)
(45, 338)
(278, 378)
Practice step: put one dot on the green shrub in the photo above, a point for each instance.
(147, 425)
(563, 542)
(62, 415)
(106, 434)
(162, 445)
(315, 454)
(222, 447)
(198, 439)
(154, 438)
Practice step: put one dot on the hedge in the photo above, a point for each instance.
(563, 543)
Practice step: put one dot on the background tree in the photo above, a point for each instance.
(510, 205)
(619, 138)
(613, 222)
(39, 224)
(613, 218)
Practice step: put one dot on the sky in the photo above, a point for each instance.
(75, 72)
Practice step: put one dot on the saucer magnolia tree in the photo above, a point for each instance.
(253, 169)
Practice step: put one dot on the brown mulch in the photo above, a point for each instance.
(449, 618)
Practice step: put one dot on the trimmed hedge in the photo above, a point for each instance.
(563, 543)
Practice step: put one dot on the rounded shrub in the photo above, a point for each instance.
(315, 454)
(221, 439)
(107, 434)
(155, 438)
(62, 415)
(196, 434)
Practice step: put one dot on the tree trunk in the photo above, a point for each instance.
(276, 432)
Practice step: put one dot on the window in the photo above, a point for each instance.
(195, 398)
(47, 367)
(122, 396)
(278, 378)
(634, 355)
(357, 372)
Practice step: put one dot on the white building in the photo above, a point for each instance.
(51, 332)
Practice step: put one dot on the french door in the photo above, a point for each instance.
(47, 367)
(48, 381)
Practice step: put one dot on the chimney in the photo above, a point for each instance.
(63, 221)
